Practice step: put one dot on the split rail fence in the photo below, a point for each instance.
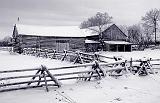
(76, 57)
(44, 77)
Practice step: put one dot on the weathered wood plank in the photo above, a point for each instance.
(67, 78)
(19, 88)
(55, 80)
(72, 73)
(24, 82)
(18, 77)
(17, 70)
(45, 80)
(58, 68)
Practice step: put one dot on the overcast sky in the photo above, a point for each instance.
(69, 12)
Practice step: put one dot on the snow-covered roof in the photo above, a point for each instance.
(117, 42)
(91, 31)
(91, 41)
(59, 31)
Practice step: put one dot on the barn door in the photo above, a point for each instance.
(62, 46)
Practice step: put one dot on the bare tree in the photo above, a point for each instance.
(99, 21)
(148, 32)
(150, 20)
(135, 34)
(124, 29)
(6, 41)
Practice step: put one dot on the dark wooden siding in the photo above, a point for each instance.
(57, 43)
(113, 33)
(77, 44)
(93, 37)
(92, 47)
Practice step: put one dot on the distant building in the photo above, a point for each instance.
(114, 40)
(58, 38)
(69, 38)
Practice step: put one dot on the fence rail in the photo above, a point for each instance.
(99, 68)
(6, 48)
(43, 75)
(64, 55)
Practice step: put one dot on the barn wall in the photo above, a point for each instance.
(118, 47)
(93, 37)
(92, 47)
(57, 43)
(106, 47)
(113, 33)
(77, 44)
(28, 41)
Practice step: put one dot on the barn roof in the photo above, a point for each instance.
(59, 31)
(117, 42)
(91, 42)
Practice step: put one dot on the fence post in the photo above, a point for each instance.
(150, 66)
(54, 55)
(78, 58)
(97, 69)
(96, 57)
(51, 76)
(46, 53)
(131, 61)
(44, 75)
(35, 75)
(65, 55)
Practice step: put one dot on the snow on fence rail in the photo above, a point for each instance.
(45, 74)
(6, 48)
(76, 57)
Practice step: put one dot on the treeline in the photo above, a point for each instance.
(147, 31)
(7, 41)
(144, 33)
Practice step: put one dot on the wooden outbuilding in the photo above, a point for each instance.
(58, 38)
(114, 40)
(118, 46)
(92, 46)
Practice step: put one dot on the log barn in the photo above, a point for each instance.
(114, 40)
(70, 38)
(58, 38)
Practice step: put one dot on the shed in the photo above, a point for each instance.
(113, 38)
(121, 46)
(91, 45)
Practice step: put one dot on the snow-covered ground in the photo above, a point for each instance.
(148, 53)
(13, 61)
(125, 89)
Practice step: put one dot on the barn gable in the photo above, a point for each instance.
(113, 33)
(114, 40)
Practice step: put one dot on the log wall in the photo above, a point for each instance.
(56, 43)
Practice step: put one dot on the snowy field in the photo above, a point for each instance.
(148, 53)
(125, 89)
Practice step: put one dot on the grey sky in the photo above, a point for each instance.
(70, 12)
